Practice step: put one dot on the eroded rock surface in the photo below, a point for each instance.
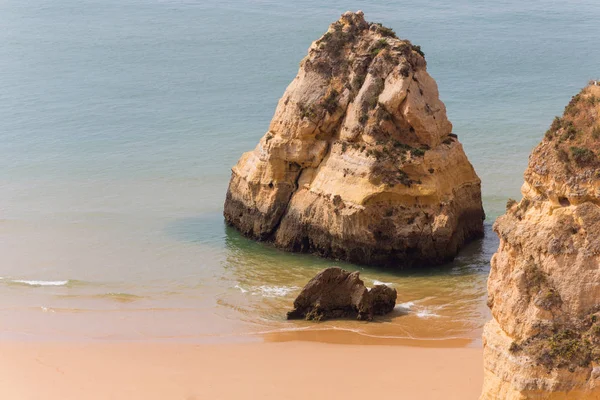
(359, 162)
(544, 285)
(337, 293)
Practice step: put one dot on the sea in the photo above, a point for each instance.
(120, 121)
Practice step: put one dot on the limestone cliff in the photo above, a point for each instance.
(360, 162)
(544, 285)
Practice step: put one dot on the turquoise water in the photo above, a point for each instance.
(120, 120)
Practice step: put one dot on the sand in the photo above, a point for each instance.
(284, 370)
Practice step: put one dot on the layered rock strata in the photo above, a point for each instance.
(359, 162)
(544, 285)
(337, 293)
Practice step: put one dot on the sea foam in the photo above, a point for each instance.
(419, 311)
(240, 288)
(408, 305)
(274, 291)
(376, 282)
(425, 313)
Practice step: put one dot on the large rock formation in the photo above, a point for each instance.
(360, 162)
(544, 285)
(337, 293)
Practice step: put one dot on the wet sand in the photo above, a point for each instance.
(283, 370)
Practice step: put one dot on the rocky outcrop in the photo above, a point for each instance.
(383, 299)
(359, 162)
(544, 285)
(336, 293)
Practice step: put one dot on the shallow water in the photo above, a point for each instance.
(120, 120)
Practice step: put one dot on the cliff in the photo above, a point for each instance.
(544, 285)
(359, 162)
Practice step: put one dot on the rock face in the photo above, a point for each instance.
(544, 285)
(336, 293)
(360, 162)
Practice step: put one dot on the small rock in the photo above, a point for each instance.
(383, 299)
(337, 293)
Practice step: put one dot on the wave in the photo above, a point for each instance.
(43, 282)
(39, 283)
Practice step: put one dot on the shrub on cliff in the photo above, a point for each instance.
(418, 50)
(383, 30)
(330, 102)
(582, 156)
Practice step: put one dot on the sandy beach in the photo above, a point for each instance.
(288, 370)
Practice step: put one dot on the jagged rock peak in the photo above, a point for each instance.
(544, 286)
(565, 167)
(359, 162)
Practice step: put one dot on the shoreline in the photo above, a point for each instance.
(338, 336)
(267, 370)
(326, 335)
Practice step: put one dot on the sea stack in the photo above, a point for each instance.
(544, 287)
(359, 162)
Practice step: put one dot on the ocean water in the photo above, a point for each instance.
(120, 121)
